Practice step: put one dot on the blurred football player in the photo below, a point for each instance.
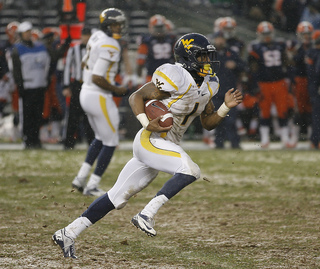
(155, 48)
(227, 26)
(267, 61)
(186, 88)
(313, 74)
(100, 65)
(300, 86)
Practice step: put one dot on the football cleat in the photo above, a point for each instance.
(78, 184)
(144, 223)
(93, 192)
(65, 243)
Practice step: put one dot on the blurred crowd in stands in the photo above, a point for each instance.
(279, 78)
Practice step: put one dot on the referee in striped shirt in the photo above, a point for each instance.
(72, 86)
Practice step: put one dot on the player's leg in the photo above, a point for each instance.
(94, 149)
(93, 152)
(281, 97)
(265, 103)
(168, 157)
(104, 119)
(133, 178)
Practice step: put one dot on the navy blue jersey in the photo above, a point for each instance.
(154, 51)
(228, 77)
(299, 61)
(236, 45)
(313, 70)
(270, 58)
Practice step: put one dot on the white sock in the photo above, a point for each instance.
(77, 226)
(55, 129)
(93, 182)
(254, 124)
(284, 134)
(264, 133)
(84, 171)
(154, 205)
(295, 134)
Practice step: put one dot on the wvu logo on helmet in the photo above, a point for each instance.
(186, 43)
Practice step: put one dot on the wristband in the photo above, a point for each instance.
(223, 110)
(142, 117)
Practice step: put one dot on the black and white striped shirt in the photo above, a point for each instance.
(73, 70)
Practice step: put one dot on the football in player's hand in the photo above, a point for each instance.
(155, 108)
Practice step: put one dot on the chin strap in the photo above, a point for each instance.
(206, 70)
(116, 36)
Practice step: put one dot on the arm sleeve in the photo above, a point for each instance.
(67, 68)
(101, 67)
(17, 74)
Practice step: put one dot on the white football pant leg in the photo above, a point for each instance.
(133, 178)
(163, 155)
(103, 115)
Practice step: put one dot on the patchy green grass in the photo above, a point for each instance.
(249, 209)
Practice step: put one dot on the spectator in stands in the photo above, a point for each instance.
(311, 13)
(290, 12)
(231, 67)
(313, 73)
(31, 62)
(6, 83)
(260, 9)
(155, 48)
(72, 86)
(268, 62)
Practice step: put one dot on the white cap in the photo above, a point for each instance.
(24, 26)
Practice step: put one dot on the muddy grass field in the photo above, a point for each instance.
(249, 209)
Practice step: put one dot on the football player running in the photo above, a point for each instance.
(100, 66)
(186, 88)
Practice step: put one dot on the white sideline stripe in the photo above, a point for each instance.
(186, 145)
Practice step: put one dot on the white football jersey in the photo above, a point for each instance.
(101, 46)
(187, 100)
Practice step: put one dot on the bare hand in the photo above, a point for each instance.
(155, 127)
(66, 92)
(233, 98)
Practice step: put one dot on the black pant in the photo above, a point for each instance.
(32, 106)
(74, 117)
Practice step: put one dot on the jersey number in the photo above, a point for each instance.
(162, 51)
(196, 105)
(272, 58)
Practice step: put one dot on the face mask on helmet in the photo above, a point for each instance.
(195, 53)
(157, 25)
(304, 31)
(265, 31)
(109, 20)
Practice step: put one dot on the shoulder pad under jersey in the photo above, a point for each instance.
(172, 78)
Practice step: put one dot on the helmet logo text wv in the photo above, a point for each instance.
(186, 43)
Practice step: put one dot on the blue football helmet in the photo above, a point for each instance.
(196, 53)
(110, 16)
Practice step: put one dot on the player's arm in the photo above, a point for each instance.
(137, 102)
(211, 119)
